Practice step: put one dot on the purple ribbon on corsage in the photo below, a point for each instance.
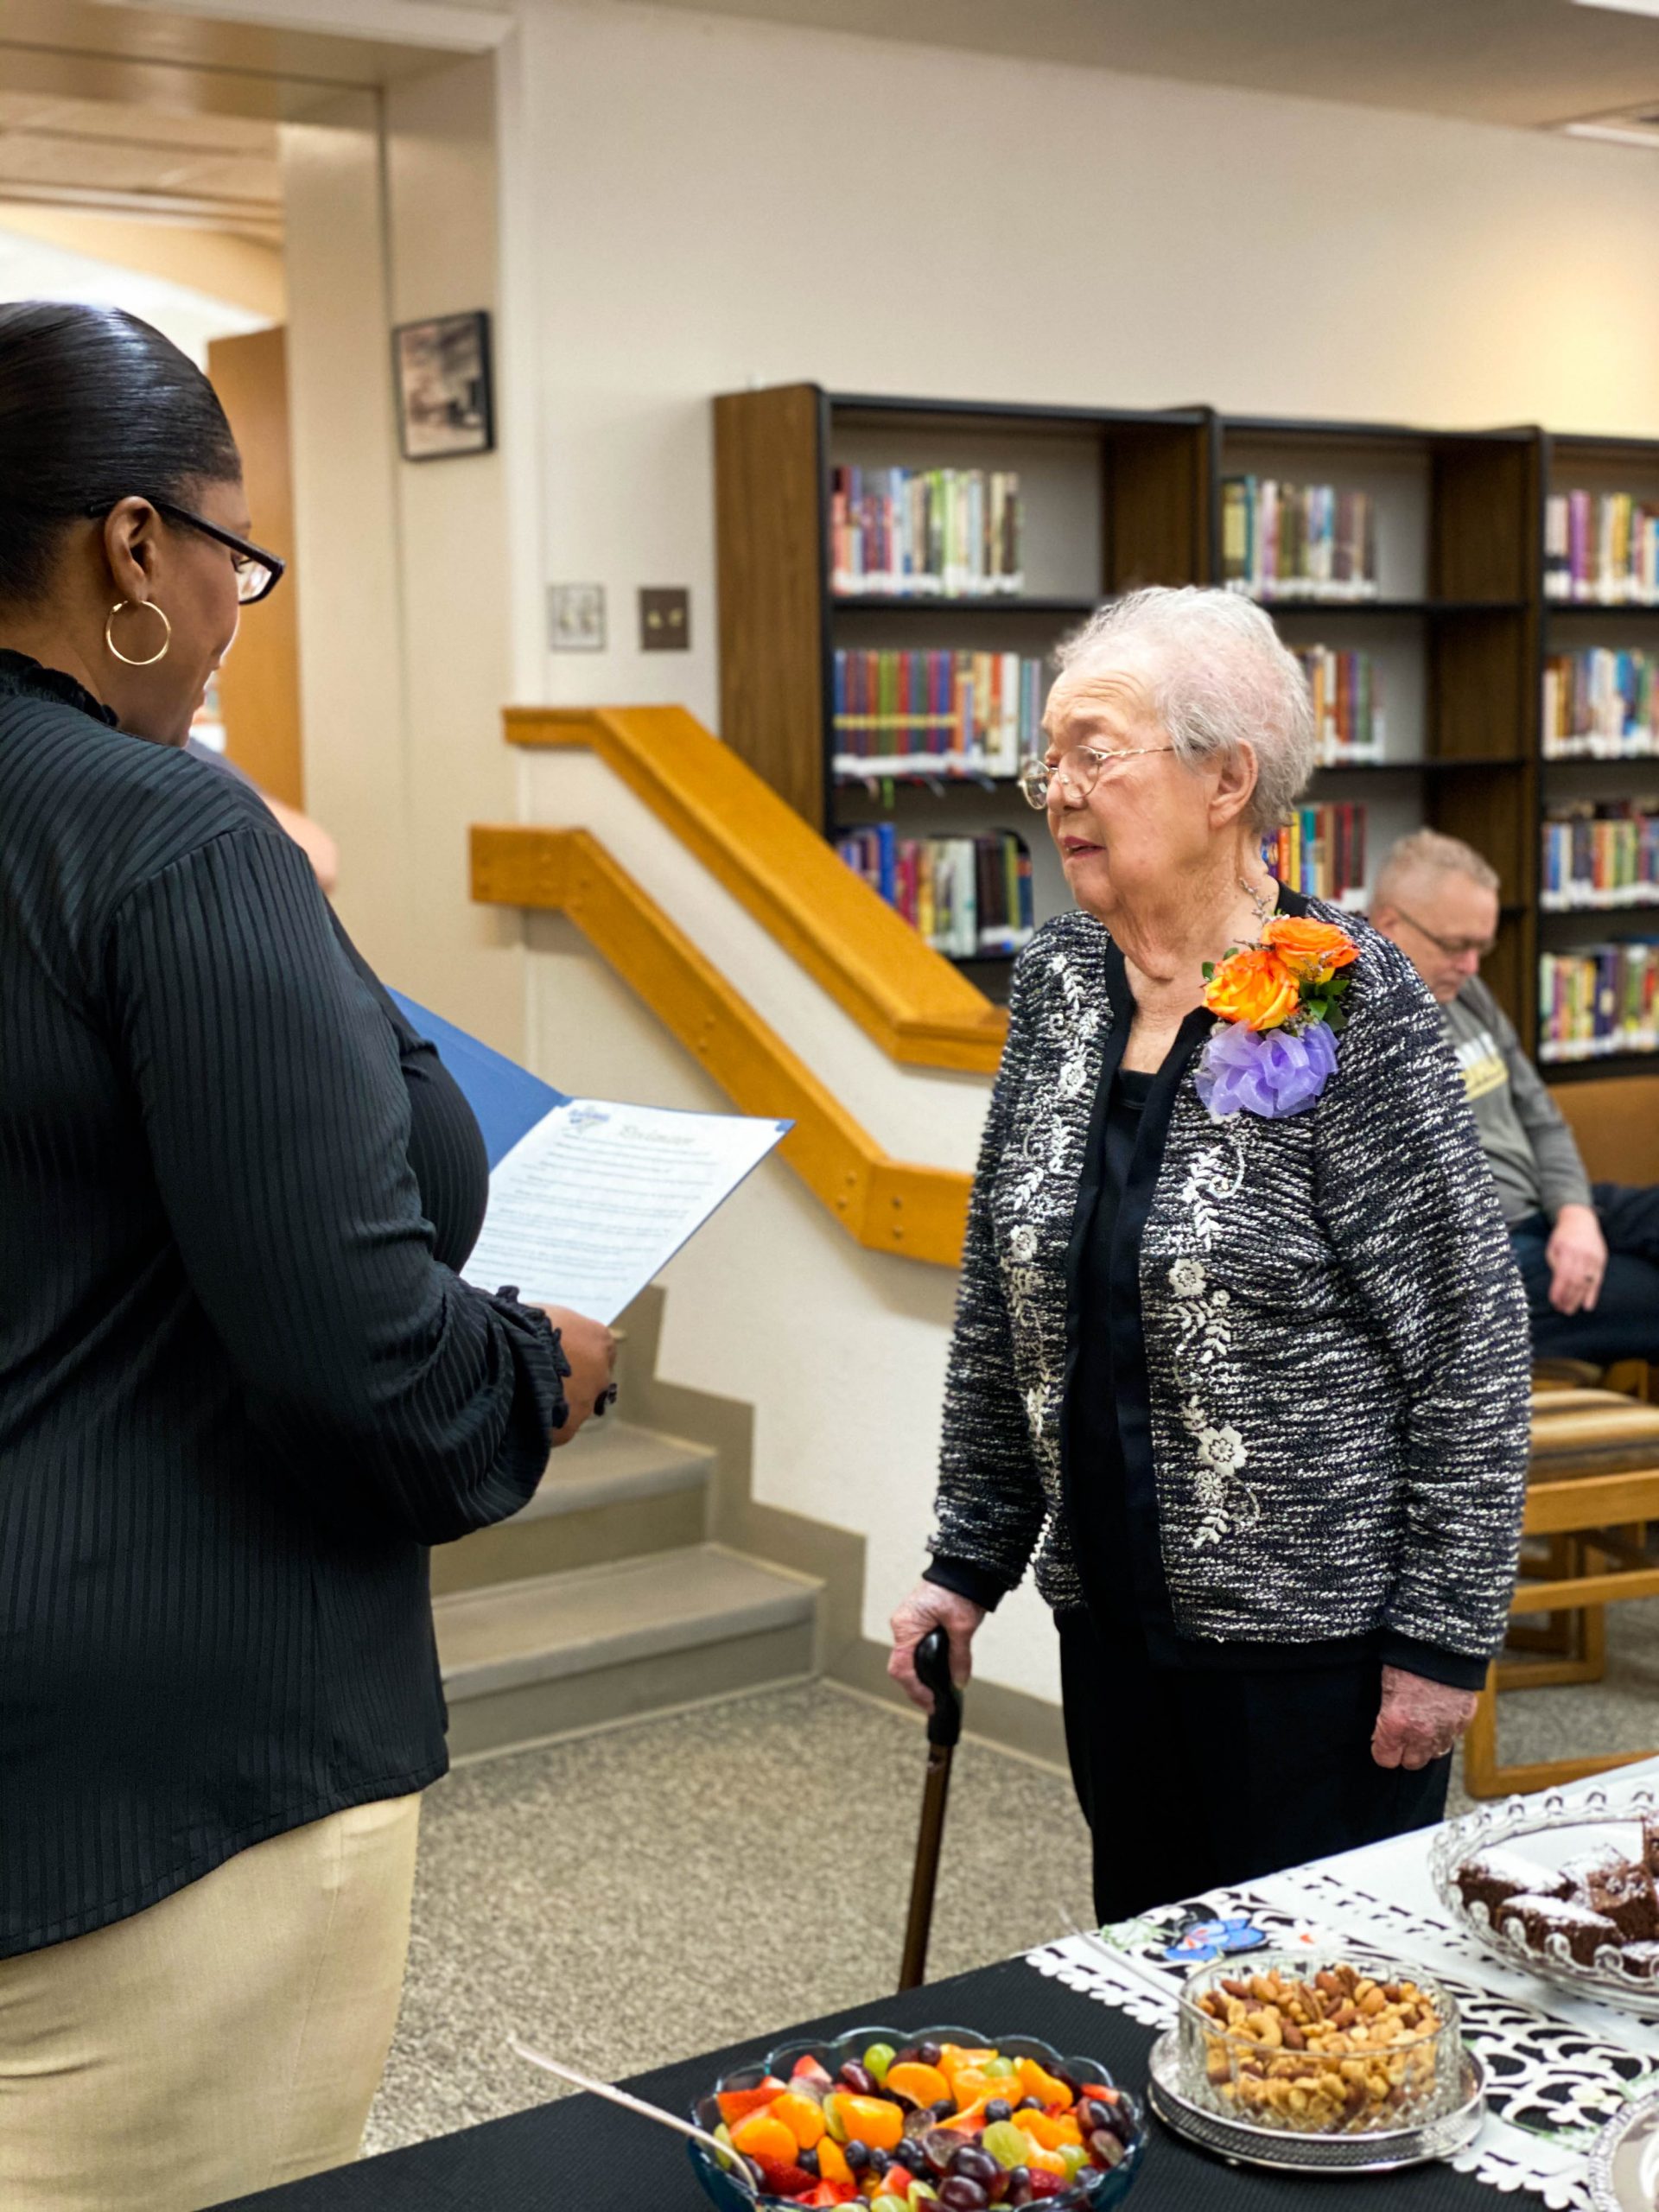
(1272, 1072)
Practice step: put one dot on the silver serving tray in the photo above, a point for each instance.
(1624, 2160)
(1518, 1819)
(1378, 2151)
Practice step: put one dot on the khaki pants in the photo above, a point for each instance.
(229, 2038)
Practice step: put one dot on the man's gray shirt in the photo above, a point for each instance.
(1528, 1147)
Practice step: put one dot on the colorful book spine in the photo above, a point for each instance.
(969, 897)
(1601, 549)
(1601, 705)
(1346, 689)
(935, 714)
(1320, 852)
(901, 533)
(1598, 999)
(1298, 541)
(1600, 854)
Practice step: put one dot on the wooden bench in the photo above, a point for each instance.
(1592, 1483)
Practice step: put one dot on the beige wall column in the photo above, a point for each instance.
(403, 567)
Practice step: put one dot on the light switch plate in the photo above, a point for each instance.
(664, 619)
(576, 618)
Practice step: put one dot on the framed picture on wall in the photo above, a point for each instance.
(445, 404)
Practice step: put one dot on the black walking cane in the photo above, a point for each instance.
(943, 1727)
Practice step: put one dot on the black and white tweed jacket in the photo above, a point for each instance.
(1335, 1332)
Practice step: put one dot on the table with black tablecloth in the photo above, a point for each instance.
(575, 2154)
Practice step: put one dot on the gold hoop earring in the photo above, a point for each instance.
(151, 607)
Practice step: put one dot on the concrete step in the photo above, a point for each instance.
(553, 1653)
(615, 1492)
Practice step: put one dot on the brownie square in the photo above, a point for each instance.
(1625, 1896)
(1492, 1877)
(1586, 1868)
(1584, 1929)
(1650, 1844)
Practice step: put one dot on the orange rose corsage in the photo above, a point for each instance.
(1277, 1005)
(1313, 951)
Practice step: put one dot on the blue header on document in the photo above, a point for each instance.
(508, 1100)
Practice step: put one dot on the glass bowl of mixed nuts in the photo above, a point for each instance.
(1319, 2046)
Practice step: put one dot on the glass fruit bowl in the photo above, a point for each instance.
(1317, 2045)
(1041, 2150)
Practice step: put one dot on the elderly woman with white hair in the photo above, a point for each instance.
(1239, 1342)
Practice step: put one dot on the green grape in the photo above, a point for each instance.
(877, 2059)
(1008, 2144)
(889, 2203)
(1076, 2158)
(1000, 2066)
(922, 2192)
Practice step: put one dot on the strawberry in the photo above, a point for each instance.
(778, 2178)
(736, 2104)
(1043, 2184)
(807, 2074)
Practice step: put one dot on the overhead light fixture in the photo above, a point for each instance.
(1622, 7)
(1635, 130)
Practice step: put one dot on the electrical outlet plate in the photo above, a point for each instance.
(664, 619)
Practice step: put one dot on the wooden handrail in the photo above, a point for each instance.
(909, 998)
(887, 1205)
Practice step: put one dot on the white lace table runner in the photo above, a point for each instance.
(1552, 2081)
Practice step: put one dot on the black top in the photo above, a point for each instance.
(241, 1388)
(1108, 1473)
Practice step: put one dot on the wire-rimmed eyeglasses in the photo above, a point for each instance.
(1455, 947)
(1079, 770)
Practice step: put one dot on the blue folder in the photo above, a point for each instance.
(508, 1099)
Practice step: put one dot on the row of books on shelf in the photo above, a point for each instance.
(967, 896)
(1601, 548)
(936, 714)
(1347, 693)
(1600, 853)
(1601, 705)
(1598, 999)
(952, 533)
(1297, 540)
(1321, 852)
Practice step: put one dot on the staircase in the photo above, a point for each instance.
(603, 1599)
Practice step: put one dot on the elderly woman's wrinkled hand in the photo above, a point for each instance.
(1419, 1721)
(928, 1606)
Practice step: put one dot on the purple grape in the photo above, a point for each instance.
(959, 2194)
(928, 2054)
(976, 2165)
(1019, 2188)
(859, 2079)
(1104, 2147)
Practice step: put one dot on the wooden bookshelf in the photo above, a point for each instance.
(1458, 629)
(1112, 498)
(1596, 465)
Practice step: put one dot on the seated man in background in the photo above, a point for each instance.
(1589, 1256)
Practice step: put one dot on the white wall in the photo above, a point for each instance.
(840, 1351)
(705, 202)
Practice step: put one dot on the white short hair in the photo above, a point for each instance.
(1220, 678)
(1427, 852)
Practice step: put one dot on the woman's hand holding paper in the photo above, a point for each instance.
(590, 1347)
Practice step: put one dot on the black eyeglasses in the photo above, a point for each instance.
(257, 573)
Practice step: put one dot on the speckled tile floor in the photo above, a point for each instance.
(625, 1899)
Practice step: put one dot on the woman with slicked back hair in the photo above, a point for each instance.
(241, 1387)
